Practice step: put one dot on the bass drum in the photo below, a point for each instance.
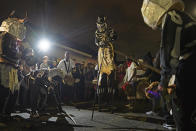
(69, 80)
(140, 88)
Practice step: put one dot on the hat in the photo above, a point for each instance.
(45, 57)
(101, 20)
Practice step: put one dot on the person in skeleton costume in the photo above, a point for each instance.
(177, 55)
(104, 36)
(12, 32)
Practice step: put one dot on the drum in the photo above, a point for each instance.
(69, 80)
(151, 90)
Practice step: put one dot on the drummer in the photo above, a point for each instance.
(67, 65)
(129, 82)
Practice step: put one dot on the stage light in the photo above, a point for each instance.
(44, 45)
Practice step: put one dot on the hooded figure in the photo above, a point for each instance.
(177, 55)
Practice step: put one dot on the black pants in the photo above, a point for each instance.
(155, 104)
(43, 96)
(7, 100)
(34, 95)
(184, 99)
(39, 95)
(4, 96)
(58, 87)
(106, 90)
(166, 106)
(23, 96)
(67, 93)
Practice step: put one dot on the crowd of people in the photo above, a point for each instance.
(77, 76)
(164, 79)
(77, 81)
(73, 84)
(139, 80)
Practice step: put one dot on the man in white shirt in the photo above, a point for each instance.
(129, 82)
(67, 65)
(130, 72)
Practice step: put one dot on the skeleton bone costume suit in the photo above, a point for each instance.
(104, 36)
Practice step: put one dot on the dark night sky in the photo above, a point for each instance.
(73, 21)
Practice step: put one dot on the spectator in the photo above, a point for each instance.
(54, 64)
(67, 65)
(45, 64)
(89, 76)
(147, 59)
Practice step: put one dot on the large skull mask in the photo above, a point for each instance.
(15, 27)
(154, 10)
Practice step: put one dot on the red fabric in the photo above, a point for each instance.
(129, 63)
(124, 86)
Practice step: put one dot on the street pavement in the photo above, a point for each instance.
(104, 121)
(81, 121)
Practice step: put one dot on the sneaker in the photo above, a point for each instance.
(151, 113)
(169, 126)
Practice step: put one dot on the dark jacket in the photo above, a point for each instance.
(177, 39)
